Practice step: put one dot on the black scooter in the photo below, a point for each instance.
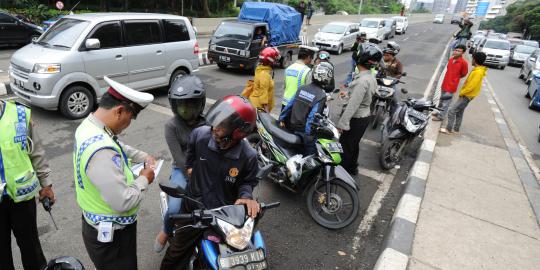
(381, 104)
(407, 122)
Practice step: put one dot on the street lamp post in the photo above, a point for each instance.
(360, 7)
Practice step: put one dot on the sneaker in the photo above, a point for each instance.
(444, 130)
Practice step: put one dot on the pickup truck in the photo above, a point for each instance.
(237, 43)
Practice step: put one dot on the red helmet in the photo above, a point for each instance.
(269, 56)
(235, 115)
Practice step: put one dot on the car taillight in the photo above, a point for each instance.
(196, 48)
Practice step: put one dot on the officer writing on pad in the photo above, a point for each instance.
(23, 170)
(108, 192)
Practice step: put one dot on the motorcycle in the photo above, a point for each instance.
(331, 193)
(230, 240)
(408, 121)
(382, 99)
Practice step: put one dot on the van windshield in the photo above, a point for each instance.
(524, 49)
(63, 34)
(370, 24)
(334, 29)
(498, 45)
(234, 30)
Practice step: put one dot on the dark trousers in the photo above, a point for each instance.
(309, 143)
(21, 219)
(181, 245)
(121, 253)
(350, 141)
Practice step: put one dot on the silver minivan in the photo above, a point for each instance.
(64, 68)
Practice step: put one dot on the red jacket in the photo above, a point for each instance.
(455, 70)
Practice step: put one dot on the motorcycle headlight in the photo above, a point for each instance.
(409, 125)
(46, 68)
(238, 238)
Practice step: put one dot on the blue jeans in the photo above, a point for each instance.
(177, 178)
(350, 74)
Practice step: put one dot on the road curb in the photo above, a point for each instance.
(397, 247)
(525, 167)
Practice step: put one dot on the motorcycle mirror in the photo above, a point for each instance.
(264, 171)
(172, 190)
(336, 91)
(404, 74)
(404, 91)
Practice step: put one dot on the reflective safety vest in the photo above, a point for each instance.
(295, 76)
(16, 169)
(88, 140)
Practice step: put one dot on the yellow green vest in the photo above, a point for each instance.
(88, 140)
(16, 169)
(295, 76)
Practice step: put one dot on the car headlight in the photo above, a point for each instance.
(235, 237)
(213, 47)
(244, 53)
(46, 68)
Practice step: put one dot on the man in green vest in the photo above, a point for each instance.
(23, 170)
(107, 190)
(298, 74)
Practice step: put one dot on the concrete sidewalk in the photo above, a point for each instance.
(478, 210)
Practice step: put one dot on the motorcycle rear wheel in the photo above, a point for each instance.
(388, 157)
(322, 214)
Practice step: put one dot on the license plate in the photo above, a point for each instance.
(335, 147)
(418, 114)
(252, 260)
(224, 59)
(18, 83)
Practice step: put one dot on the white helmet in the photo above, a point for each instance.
(323, 74)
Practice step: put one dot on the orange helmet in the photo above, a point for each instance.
(269, 56)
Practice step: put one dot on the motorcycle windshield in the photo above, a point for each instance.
(232, 214)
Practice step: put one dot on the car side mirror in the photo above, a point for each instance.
(195, 30)
(172, 190)
(92, 44)
(404, 91)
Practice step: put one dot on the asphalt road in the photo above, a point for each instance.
(293, 239)
(511, 92)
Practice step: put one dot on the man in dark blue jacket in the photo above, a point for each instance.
(222, 168)
(299, 114)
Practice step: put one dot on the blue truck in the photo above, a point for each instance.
(237, 43)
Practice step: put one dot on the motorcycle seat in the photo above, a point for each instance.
(272, 127)
(421, 105)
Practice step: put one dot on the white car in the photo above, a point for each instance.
(336, 36)
(496, 50)
(402, 24)
(439, 18)
(374, 28)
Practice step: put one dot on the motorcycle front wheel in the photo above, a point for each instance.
(390, 153)
(379, 114)
(342, 208)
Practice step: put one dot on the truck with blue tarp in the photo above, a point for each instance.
(237, 43)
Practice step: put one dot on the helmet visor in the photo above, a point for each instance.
(223, 116)
(189, 109)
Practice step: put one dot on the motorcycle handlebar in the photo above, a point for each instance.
(270, 205)
(181, 216)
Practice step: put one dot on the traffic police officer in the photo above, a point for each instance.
(108, 192)
(298, 74)
(23, 169)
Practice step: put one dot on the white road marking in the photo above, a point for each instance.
(405, 39)
(420, 170)
(1, 71)
(373, 174)
(373, 209)
(428, 145)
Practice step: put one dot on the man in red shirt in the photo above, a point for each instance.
(456, 69)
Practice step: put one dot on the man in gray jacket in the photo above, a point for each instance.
(356, 116)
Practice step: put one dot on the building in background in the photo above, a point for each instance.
(440, 6)
(470, 8)
(460, 6)
(482, 8)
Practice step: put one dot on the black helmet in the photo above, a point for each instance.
(369, 56)
(392, 48)
(187, 97)
(322, 74)
(64, 263)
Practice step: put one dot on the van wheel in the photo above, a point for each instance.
(340, 49)
(76, 102)
(176, 74)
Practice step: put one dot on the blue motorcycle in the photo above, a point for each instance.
(230, 240)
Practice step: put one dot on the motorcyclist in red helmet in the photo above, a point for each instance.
(262, 95)
(222, 168)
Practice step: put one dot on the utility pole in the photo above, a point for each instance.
(360, 7)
